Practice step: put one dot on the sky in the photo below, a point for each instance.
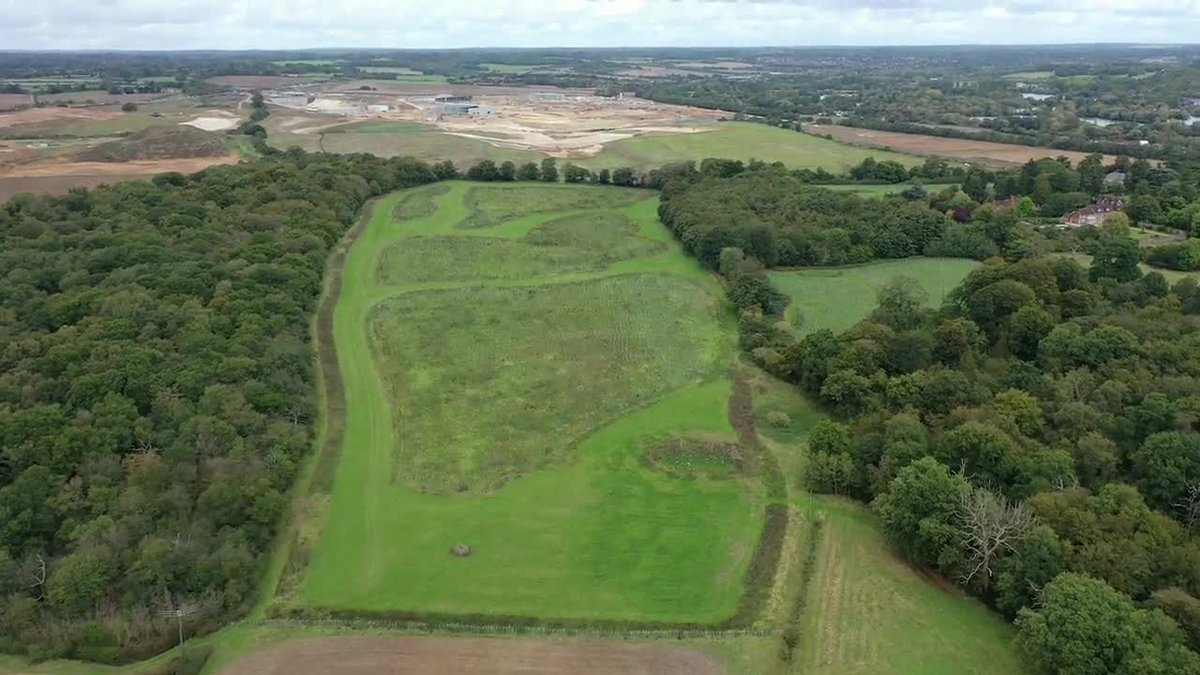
(296, 24)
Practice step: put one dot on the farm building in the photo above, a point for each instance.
(378, 108)
(1095, 214)
(481, 111)
(451, 98)
(454, 109)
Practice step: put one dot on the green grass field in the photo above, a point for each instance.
(868, 190)
(1171, 276)
(521, 407)
(740, 140)
(510, 67)
(839, 297)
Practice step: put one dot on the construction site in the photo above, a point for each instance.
(558, 123)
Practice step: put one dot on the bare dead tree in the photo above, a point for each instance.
(991, 527)
(1189, 504)
(294, 415)
(178, 610)
(36, 571)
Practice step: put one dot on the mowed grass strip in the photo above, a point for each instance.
(512, 375)
(839, 297)
(590, 241)
(869, 612)
(491, 205)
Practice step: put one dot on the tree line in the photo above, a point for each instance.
(157, 392)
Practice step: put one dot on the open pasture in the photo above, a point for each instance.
(567, 244)
(519, 399)
(740, 140)
(512, 412)
(839, 297)
(491, 205)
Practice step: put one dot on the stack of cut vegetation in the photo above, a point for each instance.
(176, 142)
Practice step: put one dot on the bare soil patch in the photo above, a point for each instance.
(449, 655)
(57, 176)
(141, 167)
(10, 101)
(256, 80)
(11, 186)
(951, 148)
(54, 114)
(573, 126)
(96, 97)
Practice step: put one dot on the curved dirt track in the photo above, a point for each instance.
(446, 655)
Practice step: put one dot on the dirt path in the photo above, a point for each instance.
(446, 655)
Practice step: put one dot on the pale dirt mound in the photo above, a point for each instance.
(452, 656)
(177, 142)
(214, 120)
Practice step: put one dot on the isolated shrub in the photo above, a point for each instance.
(778, 419)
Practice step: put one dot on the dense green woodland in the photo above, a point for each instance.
(1037, 438)
(157, 391)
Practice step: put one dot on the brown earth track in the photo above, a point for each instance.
(446, 655)
(949, 148)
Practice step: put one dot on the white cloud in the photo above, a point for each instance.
(270, 24)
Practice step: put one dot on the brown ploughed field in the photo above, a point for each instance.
(445, 656)
(947, 148)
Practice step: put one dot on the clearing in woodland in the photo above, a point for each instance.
(510, 353)
(839, 297)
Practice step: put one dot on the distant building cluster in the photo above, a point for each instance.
(453, 105)
(1095, 214)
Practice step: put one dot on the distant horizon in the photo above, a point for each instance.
(272, 25)
(1014, 45)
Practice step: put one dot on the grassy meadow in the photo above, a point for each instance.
(739, 140)
(508, 403)
(839, 297)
